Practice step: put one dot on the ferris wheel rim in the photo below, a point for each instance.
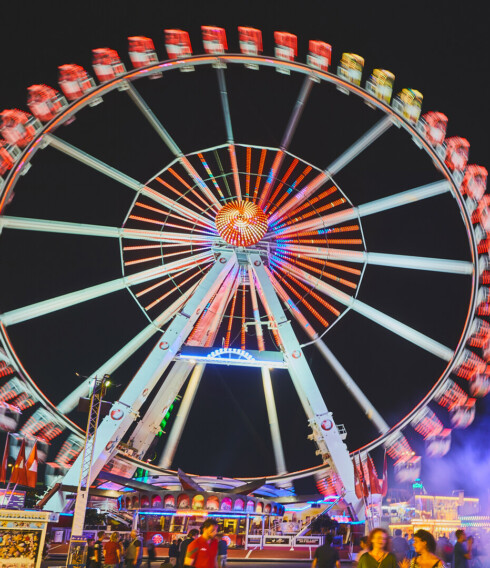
(104, 88)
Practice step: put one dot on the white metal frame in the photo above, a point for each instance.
(130, 402)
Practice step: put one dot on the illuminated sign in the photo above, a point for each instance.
(417, 484)
(230, 353)
(157, 539)
(14, 499)
(233, 356)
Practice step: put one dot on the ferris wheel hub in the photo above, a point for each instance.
(241, 223)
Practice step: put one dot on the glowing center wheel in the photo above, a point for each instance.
(241, 223)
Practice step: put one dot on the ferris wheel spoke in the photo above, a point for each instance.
(124, 179)
(370, 208)
(286, 139)
(229, 130)
(178, 426)
(74, 298)
(142, 105)
(170, 143)
(382, 259)
(359, 146)
(393, 325)
(370, 411)
(50, 226)
(203, 334)
(107, 368)
(343, 160)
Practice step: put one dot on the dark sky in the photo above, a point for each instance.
(441, 50)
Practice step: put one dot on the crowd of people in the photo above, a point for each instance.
(421, 551)
(204, 548)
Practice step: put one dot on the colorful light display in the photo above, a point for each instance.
(241, 223)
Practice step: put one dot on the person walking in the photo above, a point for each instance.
(112, 551)
(462, 552)
(222, 550)
(134, 552)
(326, 556)
(97, 558)
(425, 547)
(363, 543)
(173, 552)
(191, 535)
(150, 548)
(203, 552)
(400, 546)
(378, 555)
(90, 550)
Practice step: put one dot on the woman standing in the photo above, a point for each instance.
(112, 551)
(425, 546)
(378, 555)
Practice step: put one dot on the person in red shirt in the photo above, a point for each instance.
(112, 551)
(203, 551)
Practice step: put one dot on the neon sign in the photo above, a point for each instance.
(233, 356)
(231, 351)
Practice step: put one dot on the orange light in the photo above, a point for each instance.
(241, 223)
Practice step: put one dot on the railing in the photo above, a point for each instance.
(110, 508)
(286, 541)
(306, 528)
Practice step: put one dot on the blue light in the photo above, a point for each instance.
(161, 514)
(226, 515)
(217, 353)
(286, 508)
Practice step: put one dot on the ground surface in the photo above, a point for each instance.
(235, 564)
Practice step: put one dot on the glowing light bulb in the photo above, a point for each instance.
(241, 223)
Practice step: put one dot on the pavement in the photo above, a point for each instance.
(235, 563)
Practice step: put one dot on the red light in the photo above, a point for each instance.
(241, 223)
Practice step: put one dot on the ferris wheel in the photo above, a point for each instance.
(239, 254)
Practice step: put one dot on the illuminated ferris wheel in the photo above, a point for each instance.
(241, 254)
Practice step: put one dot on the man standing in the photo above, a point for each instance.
(222, 551)
(150, 548)
(173, 553)
(462, 553)
(97, 557)
(326, 556)
(400, 546)
(134, 552)
(203, 552)
(191, 535)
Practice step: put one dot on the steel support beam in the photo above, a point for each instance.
(148, 427)
(273, 422)
(170, 142)
(370, 208)
(368, 408)
(181, 418)
(74, 298)
(286, 139)
(203, 333)
(446, 265)
(395, 326)
(71, 401)
(364, 142)
(128, 181)
(325, 432)
(229, 130)
(67, 228)
(126, 410)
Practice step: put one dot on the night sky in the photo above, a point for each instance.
(441, 50)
